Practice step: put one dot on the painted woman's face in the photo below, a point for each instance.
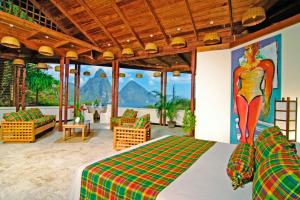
(251, 51)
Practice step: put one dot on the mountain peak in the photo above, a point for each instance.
(98, 72)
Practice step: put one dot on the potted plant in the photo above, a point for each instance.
(189, 122)
(79, 117)
(171, 112)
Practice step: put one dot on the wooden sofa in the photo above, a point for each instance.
(130, 134)
(129, 116)
(23, 126)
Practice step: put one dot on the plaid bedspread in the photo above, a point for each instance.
(143, 172)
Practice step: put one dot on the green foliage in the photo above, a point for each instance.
(189, 121)
(78, 111)
(15, 10)
(171, 109)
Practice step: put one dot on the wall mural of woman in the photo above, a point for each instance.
(256, 82)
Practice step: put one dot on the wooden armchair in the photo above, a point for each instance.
(129, 116)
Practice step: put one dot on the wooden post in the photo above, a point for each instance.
(66, 90)
(61, 90)
(23, 88)
(78, 82)
(75, 86)
(193, 78)
(165, 96)
(161, 92)
(117, 69)
(17, 100)
(113, 90)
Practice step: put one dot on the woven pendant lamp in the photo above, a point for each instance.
(122, 75)
(178, 42)
(156, 74)
(176, 73)
(86, 73)
(139, 75)
(151, 48)
(57, 68)
(211, 38)
(253, 16)
(108, 55)
(127, 52)
(42, 66)
(73, 55)
(46, 51)
(73, 71)
(10, 42)
(19, 62)
(102, 75)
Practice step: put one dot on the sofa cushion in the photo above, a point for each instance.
(49, 118)
(277, 177)
(140, 123)
(24, 115)
(35, 113)
(266, 133)
(39, 122)
(240, 167)
(129, 113)
(13, 116)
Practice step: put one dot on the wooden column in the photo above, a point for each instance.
(165, 95)
(17, 96)
(23, 88)
(117, 69)
(161, 92)
(75, 85)
(66, 92)
(193, 78)
(61, 90)
(78, 82)
(113, 90)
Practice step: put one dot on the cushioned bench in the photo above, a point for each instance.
(22, 126)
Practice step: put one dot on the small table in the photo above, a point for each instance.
(81, 125)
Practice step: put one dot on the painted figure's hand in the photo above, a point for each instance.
(265, 110)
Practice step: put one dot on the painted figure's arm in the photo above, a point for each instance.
(268, 67)
(236, 74)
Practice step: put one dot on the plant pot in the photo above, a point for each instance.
(171, 124)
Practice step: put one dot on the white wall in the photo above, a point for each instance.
(213, 81)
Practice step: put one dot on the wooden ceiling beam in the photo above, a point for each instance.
(183, 59)
(48, 15)
(61, 9)
(99, 23)
(157, 21)
(188, 8)
(165, 63)
(230, 13)
(124, 19)
(60, 44)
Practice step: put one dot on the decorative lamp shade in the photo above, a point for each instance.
(42, 66)
(127, 52)
(156, 74)
(139, 75)
(211, 38)
(19, 62)
(73, 71)
(10, 42)
(122, 75)
(178, 42)
(102, 75)
(57, 68)
(151, 48)
(86, 73)
(254, 16)
(176, 73)
(108, 55)
(73, 55)
(46, 51)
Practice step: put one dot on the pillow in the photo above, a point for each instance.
(240, 168)
(266, 133)
(13, 116)
(140, 123)
(277, 177)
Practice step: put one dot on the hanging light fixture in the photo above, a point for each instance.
(42, 66)
(211, 38)
(122, 75)
(73, 55)
(19, 62)
(176, 73)
(46, 51)
(102, 75)
(253, 16)
(151, 48)
(73, 71)
(127, 52)
(10, 42)
(86, 73)
(178, 42)
(157, 74)
(57, 68)
(139, 75)
(108, 55)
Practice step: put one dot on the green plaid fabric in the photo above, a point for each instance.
(35, 113)
(240, 167)
(39, 122)
(266, 133)
(116, 120)
(129, 113)
(139, 123)
(13, 116)
(143, 172)
(277, 178)
(24, 115)
(49, 118)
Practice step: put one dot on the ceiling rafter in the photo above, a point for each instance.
(160, 59)
(61, 9)
(230, 12)
(123, 17)
(183, 59)
(188, 8)
(99, 23)
(57, 22)
(156, 19)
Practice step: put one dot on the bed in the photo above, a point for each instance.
(206, 178)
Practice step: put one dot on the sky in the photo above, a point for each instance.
(182, 84)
